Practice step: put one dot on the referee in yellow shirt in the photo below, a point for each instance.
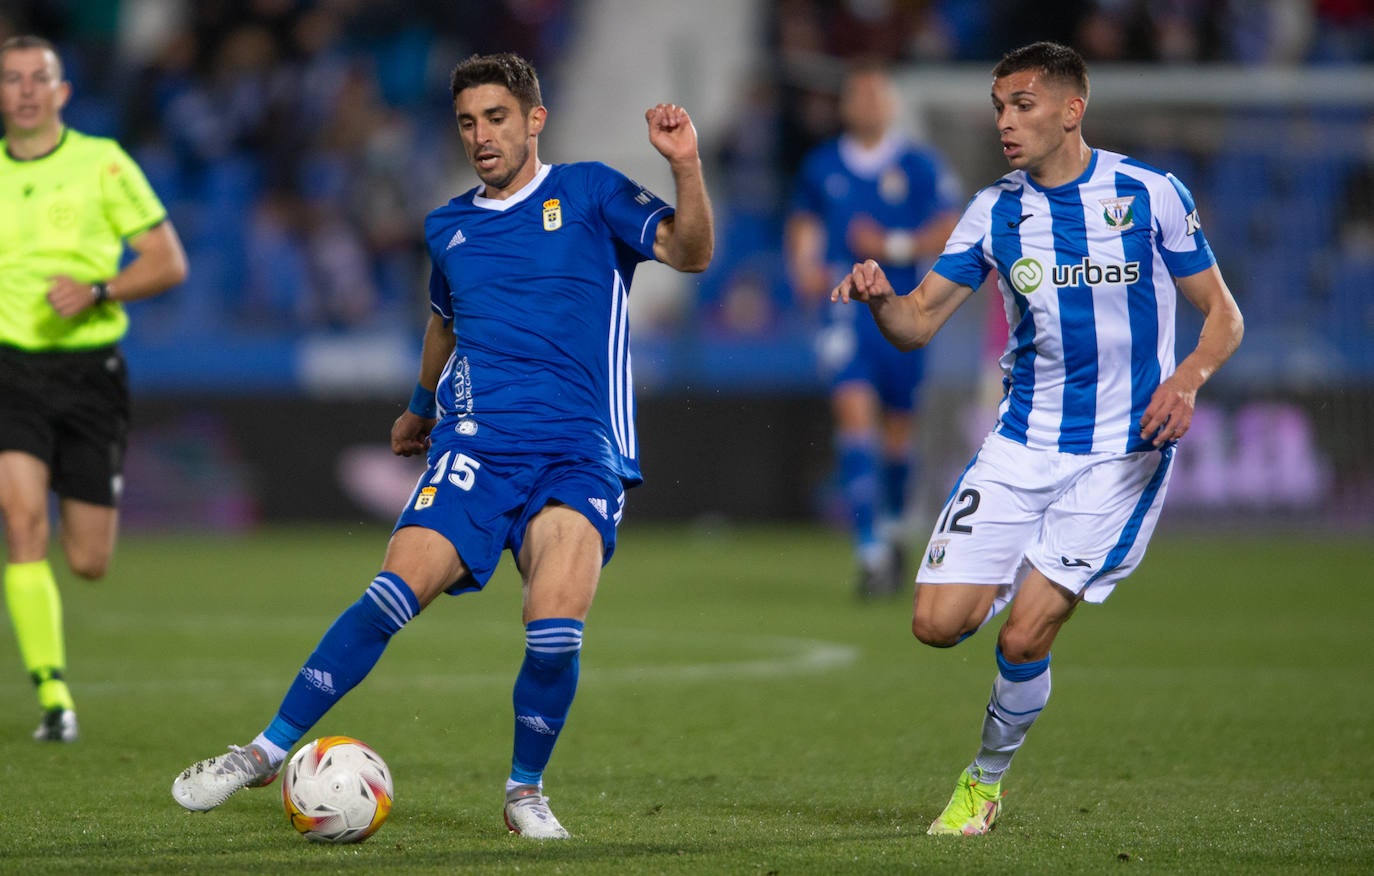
(70, 203)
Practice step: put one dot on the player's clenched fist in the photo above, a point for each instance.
(671, 131)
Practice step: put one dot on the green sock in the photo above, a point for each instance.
(36, 611)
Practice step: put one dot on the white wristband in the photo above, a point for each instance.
(899, 247)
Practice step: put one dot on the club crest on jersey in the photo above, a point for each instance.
(63, 215)
(935, 556)
(893, 185)
(1117, 212)
(426, 498)
(553, 215)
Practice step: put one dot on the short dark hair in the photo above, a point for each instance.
(505, 68)
(31, 41)
(1056, 61)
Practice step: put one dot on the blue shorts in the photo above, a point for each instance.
(483, 502)
(851, 349)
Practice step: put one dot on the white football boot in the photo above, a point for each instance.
(528, 814)
(207, 783)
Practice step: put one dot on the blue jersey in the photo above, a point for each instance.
(537, 287)
(1086, 274)
(898, 183)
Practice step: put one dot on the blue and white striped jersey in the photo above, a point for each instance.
(537, 286)
(1086, 274)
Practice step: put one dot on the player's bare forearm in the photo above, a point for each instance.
(907, 321)
(899, 322)
(686, 240)
(803, 243)
(435, 350)
(410, 431)
(1222, 331)
(1169, 414)
(868, 283)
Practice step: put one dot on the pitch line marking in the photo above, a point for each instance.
(802, 657)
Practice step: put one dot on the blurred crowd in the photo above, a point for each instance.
(299, 143)
(1245, 183)
(1250, 32)
(1170, 31)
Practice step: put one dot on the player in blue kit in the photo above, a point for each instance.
(872, 192)
(1057, 507)
(531, 438)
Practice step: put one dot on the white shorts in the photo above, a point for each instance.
(1083, 520)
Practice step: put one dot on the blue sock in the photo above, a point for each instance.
(346, 654)
(858, 458)
(543, 694)
(896, 476)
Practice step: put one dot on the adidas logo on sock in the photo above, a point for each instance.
(535, 723)
(322, 680)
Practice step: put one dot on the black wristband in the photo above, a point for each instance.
(100, 292)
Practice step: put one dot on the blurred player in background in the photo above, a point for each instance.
(871, 193)
(1092, 249)
(534, 443)
(71, 202)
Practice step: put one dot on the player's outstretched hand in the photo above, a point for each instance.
(410, 434)
(865, 282)
(671, 132)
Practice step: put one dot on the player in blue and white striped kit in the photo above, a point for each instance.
(530, 441)
(1091, 249)
(873, 191)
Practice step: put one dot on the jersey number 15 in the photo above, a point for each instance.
(462, 473)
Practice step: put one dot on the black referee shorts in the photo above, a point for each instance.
(71, 410)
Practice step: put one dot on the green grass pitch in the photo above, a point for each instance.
(739, 712)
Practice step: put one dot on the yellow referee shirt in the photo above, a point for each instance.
(68, 212)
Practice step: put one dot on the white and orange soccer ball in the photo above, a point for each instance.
(337, 790)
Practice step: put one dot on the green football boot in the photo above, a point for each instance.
(973, 809)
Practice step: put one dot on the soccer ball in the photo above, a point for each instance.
(337, 790)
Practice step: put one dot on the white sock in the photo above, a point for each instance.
(1012, 709)
(275, 753)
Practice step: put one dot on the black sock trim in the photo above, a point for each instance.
(47, 673)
